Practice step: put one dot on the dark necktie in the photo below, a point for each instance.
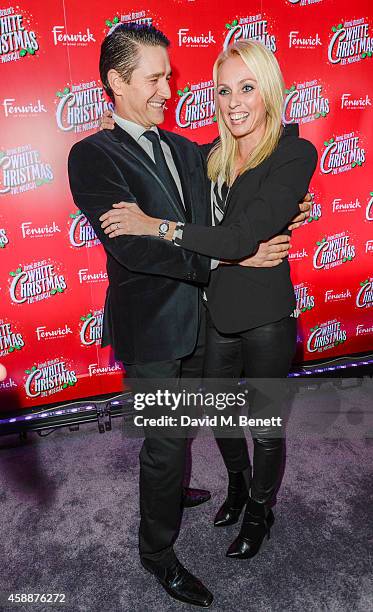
(163, 170)
(219, 200)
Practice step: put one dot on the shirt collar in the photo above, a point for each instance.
(133, 129)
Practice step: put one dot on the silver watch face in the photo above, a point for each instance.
(163, 228)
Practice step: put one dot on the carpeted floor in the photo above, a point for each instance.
(69, 508)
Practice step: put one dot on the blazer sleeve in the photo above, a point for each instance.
(271, 209)
(96, 184)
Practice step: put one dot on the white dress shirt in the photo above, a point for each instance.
(137, 132)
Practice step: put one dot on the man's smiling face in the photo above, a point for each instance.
(143, 99)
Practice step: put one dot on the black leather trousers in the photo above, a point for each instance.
(263, 352)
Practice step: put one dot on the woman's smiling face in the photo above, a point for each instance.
(239, 99)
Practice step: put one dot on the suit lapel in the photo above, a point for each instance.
(182, 170)
(291, 129)
(132, 148)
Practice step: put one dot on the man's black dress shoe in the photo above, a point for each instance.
(195, 497)
(180, 584)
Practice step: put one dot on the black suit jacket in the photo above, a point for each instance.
(261, 203)
(152, 304)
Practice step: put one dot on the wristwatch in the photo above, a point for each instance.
(163, 228)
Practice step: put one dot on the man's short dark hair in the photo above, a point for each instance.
(120, 50)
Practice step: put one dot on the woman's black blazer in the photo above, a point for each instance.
(260, 204)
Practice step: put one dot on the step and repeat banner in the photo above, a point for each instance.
(53, 277)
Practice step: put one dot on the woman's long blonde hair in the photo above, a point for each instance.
(266, 70)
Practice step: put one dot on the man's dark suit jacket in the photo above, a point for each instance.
(153, 300)
(260, 204)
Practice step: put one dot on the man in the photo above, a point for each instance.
(153, 314)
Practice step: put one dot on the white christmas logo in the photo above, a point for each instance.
(333, 251)
(91, 329)
(48, 378)
(81, 232)
(23, 170)
(316, 210)
(17, 38)
(196, 106)
(305, 102)
(304, 2)
(4, 240)
(139, 17)
(305, 300)
(369, 208)
(35, 282)
(253, 27)
(10, 339)
(326, 336)
(341, 154)
(364, 296)
(350, 42)
(80, 107)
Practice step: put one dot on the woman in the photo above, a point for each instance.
(259, 172)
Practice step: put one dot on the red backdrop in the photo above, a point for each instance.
(53, 278)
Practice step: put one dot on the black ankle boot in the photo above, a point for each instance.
(238, 493)
(257, 521)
